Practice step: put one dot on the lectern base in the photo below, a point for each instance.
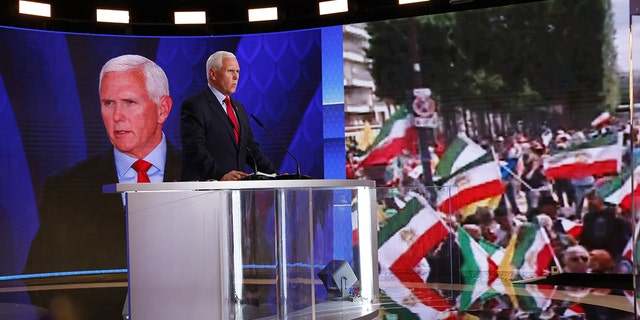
(334, 310)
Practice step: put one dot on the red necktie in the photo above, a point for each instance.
(232, 117)
(142, 166)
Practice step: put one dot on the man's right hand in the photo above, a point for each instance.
(234, 175)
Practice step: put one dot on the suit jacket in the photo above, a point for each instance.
(80, 227)
(208, 140)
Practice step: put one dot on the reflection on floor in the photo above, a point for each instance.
(401, 297)
(500, 298)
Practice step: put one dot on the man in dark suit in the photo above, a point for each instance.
(210, 147)
(80, 227)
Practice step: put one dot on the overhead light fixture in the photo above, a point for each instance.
(410, 1)
(34, 8)
(333, 6)
(263, 14)
(190, 17)
(113, 16)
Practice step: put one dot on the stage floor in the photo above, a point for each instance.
(402, 296)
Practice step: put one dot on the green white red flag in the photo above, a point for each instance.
(572, 228)
(618, 191)
(596, 157)
(478, 269)
(406, 238)
(397, 135)
(417, 301)
(533, 253)
(466, 174)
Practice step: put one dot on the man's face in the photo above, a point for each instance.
(576, 261)
(594, 203)
(132, 120)
(225, 79)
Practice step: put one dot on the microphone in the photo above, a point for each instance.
(283, 176)
(255, 175)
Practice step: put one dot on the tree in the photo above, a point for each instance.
(510, 59)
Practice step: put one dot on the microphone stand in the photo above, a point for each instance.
(283, 176)
(255, 175)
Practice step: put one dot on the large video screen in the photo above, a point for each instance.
(505, 129)
(51, 118)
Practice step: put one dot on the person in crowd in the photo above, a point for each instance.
(510, 159)
(601, 261)
(505, 228)
(80, 227)
(563, 187)
(580, 185)
(603, 228)
(575, 259)
(535, 182)
(487, 224)
(548, 217)
(217, 140)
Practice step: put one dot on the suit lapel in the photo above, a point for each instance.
(216, 107)
(173, 165)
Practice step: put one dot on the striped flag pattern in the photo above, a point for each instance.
(599, 156)
(406, 238)
(476, 262)
(618, 191)
(533, 253)
(466, 174)
(398, 134)
(572, 228)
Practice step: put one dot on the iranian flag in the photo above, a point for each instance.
(570, 227)
(397, 135)
(599, 156)
(533, 253)
(618, 191)
(411, 297)
(495, 252)
(478, 269)
(466, 174)
(536, 299)
(409, 235)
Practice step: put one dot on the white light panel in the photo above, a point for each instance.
(410, 1)
(113, 16)
(34, 8)
(263, 14)
(333, 6)
(190, 17)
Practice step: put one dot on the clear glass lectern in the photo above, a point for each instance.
(271, 249)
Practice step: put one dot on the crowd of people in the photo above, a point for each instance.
(586, 233)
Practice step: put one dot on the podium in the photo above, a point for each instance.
(251, 249)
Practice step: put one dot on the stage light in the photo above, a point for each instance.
(333, 6)
(410, 1)
(190, 17)
(263, 14)
(34, 8)
(113, 16)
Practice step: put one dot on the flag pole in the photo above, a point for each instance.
(516, 176)
(634, 9)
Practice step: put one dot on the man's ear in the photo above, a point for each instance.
(164, 107)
